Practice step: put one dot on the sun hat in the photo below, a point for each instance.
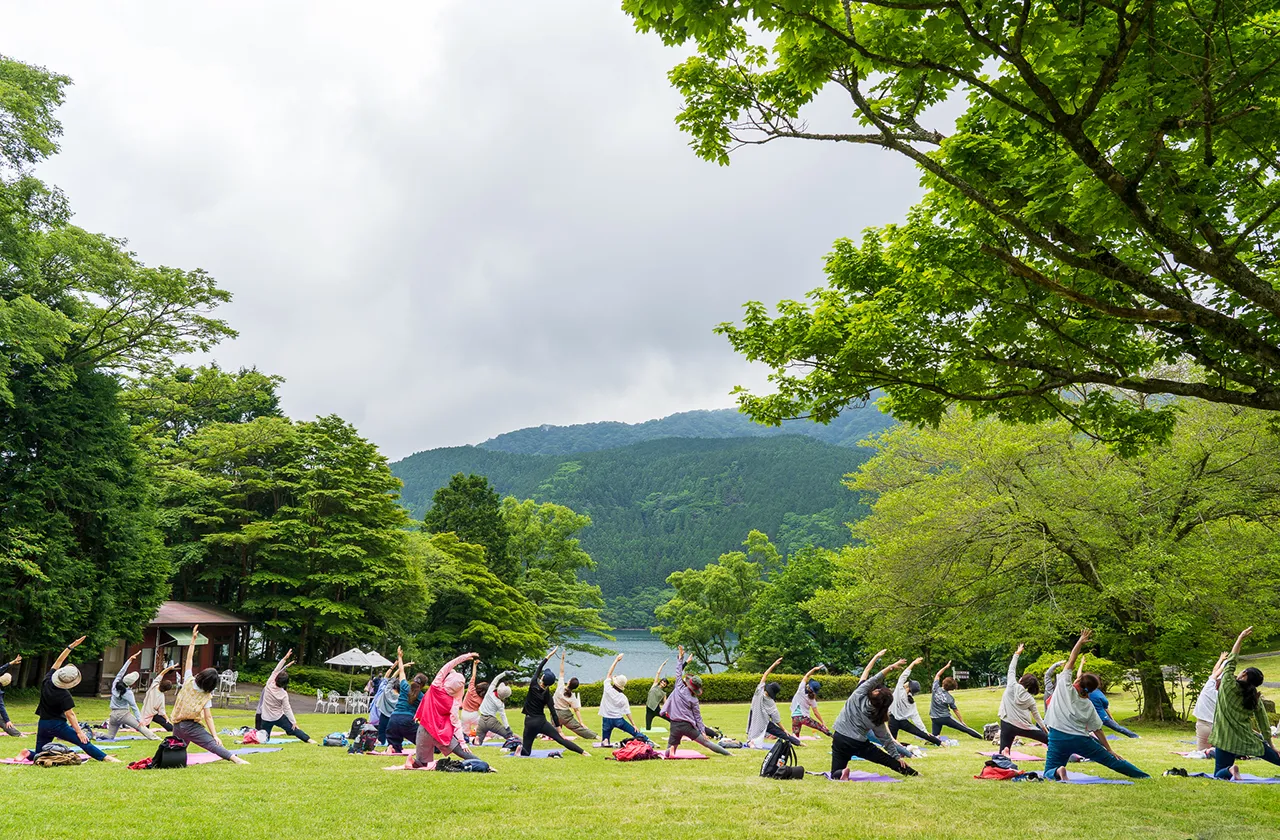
(619, 681)
(131, 678)
(454, 683)
(814, 686)
(5, 679)
(503, 691)
(68, 676)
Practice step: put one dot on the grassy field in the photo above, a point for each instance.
(322, 793)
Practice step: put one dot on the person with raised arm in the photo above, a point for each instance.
(866, 712)
(470, 714)
(56, 710)
(493, 710)
(764, 718)
(685, 712)
(804, 705)
(6, 725)
(193, 707)
(656, 698)
(903, 715)
(1019, 715)
(942, 705)
(1074, 726)
(403, 725)
(1049, 682)
(385, 702)
(568, 705)
(439, 716)
(538, 703)
(123, 705)
(153, 701)
(274, 708)
(615, 708)
(1239, 713)
(1206, 703)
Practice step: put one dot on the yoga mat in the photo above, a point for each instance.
(201, 758)
(861, 776)
(1014, 755)
(106, 748)
(160, 733)
(1074, 778)
(252, 750)
(685, 754)
(655, 729)
(1193, 755)
(1245, 779)
(539, 754)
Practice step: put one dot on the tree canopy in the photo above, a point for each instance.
(1099, 218)
(469, 507)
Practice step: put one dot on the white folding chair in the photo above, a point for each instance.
(320, 701)
(333, 702)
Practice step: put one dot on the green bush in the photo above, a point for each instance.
(716, 688)
(1110, 674)
(306, 679)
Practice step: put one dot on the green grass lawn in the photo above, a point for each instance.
(322, 793)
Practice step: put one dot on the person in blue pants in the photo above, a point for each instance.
(56, 710)
(1240, 724)
(1103, 707)
(1075, 727)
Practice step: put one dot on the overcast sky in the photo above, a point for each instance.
(445, 220)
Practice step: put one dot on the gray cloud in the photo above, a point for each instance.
(441, 221)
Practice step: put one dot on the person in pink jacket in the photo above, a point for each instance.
(439, 721)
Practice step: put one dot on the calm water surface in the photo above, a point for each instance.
(642, 653)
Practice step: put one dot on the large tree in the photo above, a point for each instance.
(470, 508)
(983, 533)
(1101, 210)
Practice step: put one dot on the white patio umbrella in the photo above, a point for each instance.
(377, 660)
(354, 658)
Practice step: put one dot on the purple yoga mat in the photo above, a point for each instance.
(539, 754)
(861, 776)
(1074, 778)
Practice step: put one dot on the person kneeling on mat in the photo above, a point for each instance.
(538, 703)
(1239, 712)
(866, 712)
(439, 716)
(56, 710)
(903, 714)
(1018, 712)
(615, 708)
(274, 708)
(192, 708)
(685, 712)
(493, 710)
(764, 718)
(569, 705)
(1071, 721)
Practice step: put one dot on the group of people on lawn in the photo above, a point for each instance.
(449, 714)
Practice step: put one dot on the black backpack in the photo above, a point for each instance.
(172, 752)
(356, 725)
(366, 740)
(780, 763)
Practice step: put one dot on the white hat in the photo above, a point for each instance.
(620, 681)
(131, 678)
(5, 679)
(68, 676)
(503, 691)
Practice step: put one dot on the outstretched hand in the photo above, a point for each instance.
(917, 661)
(1021, 648)
(895, 666)
(80, 641)
(1086, 634)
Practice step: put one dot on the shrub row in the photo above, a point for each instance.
(307, 679)
(716, 688)
(1110, 674)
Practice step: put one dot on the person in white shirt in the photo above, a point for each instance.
(1206, 703)
(764, 718)
(493, 710)
(568, 705)
(1074, 726)
(1019, 715)
(903, 714)
(615, 708)
(804, 705)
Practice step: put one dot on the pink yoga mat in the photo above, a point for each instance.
(1015, 756)
(689, 754)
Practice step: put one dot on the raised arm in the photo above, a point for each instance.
(1012, 676)
(764, 678)
(905, 676)
(124, 669)
(281, 665)
(1244, 634)
(191, 649)
(1217, 667)
(475, 663)
(809, 674)
(941, 671)
(399, 665)
(614, 664)
(866, 672)
(657, 676)
(1085, 635)
(537, 672)
(62, 657)
(562, 656)
(450, 665)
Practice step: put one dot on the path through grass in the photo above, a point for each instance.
(322, 793)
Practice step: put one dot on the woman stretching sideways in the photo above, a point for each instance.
(439, 716)
(1206, 703)
(615, 708)
(5, 679)
(685, 712)
(903, 715)
(493, 711)
(56, 709)
(764, 718)
(866, 712)
(804, 705)
(1074, 726)
(124, 706)
(569, 705)
(192, 708)
(942, 706)
(153, 701)
(1018, 712)
(657, 696)
(537, 704)
(274, 709)
(1239, 713)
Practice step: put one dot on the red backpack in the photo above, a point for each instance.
(635, 750)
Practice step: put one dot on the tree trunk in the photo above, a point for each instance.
(1156, 704)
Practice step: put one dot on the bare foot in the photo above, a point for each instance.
(1235, 772)
(1061, 774)
(112, 759)
(844, 775)
(586, 754)
(235, 759)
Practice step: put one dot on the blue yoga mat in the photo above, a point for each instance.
(539, 754)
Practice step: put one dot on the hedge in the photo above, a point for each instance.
(306, 679)
(716, 688)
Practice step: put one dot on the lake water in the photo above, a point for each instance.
(642, 653)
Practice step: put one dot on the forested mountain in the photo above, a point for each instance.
(846, 430)
(669, 504)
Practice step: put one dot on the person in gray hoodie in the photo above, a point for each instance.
(866, 711)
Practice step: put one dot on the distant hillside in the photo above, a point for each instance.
(846, 430)
(668, 504)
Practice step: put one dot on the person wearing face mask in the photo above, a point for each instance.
(569, 705)
(5, 679)
(1074, 726)
(764, 718)
(439, 716)
(1239, 713)
(493, 710)
(124, 706)
(538, 703)
(685, 711)
(864, 714)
